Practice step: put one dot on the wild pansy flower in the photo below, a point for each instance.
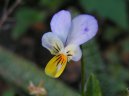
(65, 39)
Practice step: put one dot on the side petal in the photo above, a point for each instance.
(51, 42)
(84, 27)
(73, 52)
(78, 54)
(56, 66)
(60, 24)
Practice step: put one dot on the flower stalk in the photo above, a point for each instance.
(83, 77)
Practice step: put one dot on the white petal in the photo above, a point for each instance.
(52, 43)
(84, 27)
(73, 52)
(60, 24)
(78, 54)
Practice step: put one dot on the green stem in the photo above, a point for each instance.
(82, 77)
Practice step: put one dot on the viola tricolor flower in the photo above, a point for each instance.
(65, 39)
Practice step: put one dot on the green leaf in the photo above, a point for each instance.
(93, 87)
(94, 64)
(25, 17)
(114, 10)
(20, 72)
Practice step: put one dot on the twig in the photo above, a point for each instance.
(5, 6)
(8, 12)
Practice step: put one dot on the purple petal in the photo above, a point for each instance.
(60, 24)
(84, 27)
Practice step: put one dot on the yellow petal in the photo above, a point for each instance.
(56, 65)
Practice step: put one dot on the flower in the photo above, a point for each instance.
(65, 39)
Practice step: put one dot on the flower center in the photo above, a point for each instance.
(64, 57)
(66, 53)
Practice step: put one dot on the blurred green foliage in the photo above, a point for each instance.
(26, 17)
(20, 72)
(93, 87)
(50, 4)
(111, 9)
(111, 33)
(9, 92)
(112, 76)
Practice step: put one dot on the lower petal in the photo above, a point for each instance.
(56, 65)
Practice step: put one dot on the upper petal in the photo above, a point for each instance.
(52, 43)
(60, 24)
(84, 27)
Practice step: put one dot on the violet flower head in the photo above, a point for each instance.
(65, 39)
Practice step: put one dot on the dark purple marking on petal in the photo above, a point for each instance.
(86, 29)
